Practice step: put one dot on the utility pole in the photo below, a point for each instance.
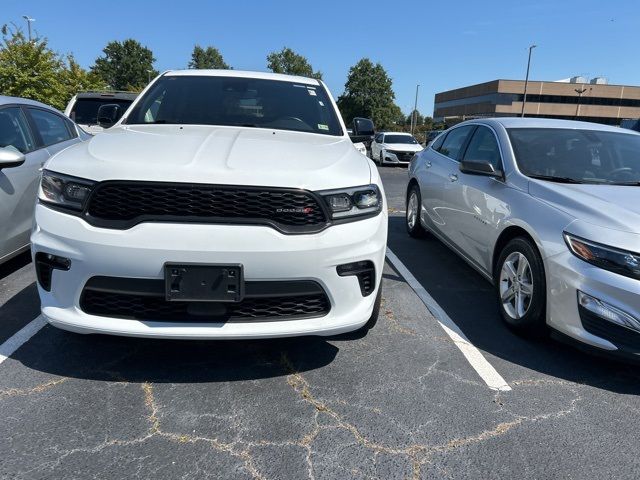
(579, 91)
(414, 118)
(29, 20)
(526, 80)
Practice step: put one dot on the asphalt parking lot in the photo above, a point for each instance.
(404, 401)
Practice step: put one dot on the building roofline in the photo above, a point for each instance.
(534, 81)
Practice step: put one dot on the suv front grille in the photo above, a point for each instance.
(142, 299)
(122, 204)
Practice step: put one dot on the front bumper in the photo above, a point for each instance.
(566, 275)
(392, 156)
(266, 255)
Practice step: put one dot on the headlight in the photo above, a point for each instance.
(353, 202)
(64, 191)
(609, 258)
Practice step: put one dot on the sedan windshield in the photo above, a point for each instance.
(408, 139)
(234, 101)
(577, 156)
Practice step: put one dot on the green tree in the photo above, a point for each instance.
(30, 69)
(209, 57)
(289, 62)
(419, 119)
(76, 79)
(368, 93)
(125, 65)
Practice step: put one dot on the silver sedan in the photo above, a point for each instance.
(547, 210)
(30, 133)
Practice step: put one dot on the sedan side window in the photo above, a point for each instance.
(14, 130)
(438, 141)
(51, 127)
(483, 147)
(455, 141)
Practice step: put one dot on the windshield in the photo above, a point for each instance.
(577, 156)
(233, 101)
(85, 110)
(408, 139)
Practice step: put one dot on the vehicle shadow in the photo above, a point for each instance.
(110, 358)
(15, 264)
(470, 301)
(21, 308)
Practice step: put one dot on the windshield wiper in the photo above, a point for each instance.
(551, 178)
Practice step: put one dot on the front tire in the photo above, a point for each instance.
(521, 288)
(381, 158)
(412, 217)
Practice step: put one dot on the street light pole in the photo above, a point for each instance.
(579, 91)
(29, 20)
(526, 80)
(415, 107)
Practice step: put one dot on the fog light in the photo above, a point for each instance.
(46, 264)
(607, 312)
(364, 271)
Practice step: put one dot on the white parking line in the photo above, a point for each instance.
(480, 364)
(19, 338)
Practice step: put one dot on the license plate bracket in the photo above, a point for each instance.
(203, 282)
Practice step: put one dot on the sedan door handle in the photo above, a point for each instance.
(453, 177)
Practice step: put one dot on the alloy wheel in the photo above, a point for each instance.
(412, 210)
(516, 285)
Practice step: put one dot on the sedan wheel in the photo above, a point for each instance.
(516, 285)
(414, 227)
(521, 287)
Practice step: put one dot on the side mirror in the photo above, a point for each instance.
(109, 114)
(10, 158)
(480, 167)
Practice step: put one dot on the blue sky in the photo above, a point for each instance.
(440, 45)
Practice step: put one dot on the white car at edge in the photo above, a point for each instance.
(394, 147)
(224, 204)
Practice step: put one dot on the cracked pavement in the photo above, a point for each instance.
(400, 402)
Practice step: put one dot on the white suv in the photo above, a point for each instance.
(224, 204)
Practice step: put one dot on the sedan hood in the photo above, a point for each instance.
(610, 206)
(403, 147)
(217, 155)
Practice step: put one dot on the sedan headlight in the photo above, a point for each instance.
(64, 191)
(609, 258)
(353, 202)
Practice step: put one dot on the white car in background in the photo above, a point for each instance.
(394, 147)
(224, 204)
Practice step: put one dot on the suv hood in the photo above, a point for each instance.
(216, 155)
(610, 206)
